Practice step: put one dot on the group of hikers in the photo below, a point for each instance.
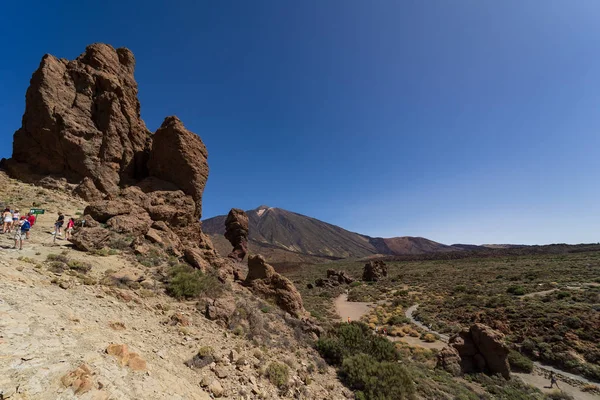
(22, 224)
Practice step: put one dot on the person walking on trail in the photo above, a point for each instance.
(21, 233)
(58, 224)
(16, 218)
(31, 219)
(553, 380)
(69, 229)
(7, 220)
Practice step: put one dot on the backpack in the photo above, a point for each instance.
(26, 225)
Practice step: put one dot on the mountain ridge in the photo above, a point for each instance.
(284, 234)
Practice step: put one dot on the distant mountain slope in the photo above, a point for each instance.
(286, 235)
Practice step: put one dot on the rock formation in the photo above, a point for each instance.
(265, 282)
(478, 349)
(236, 231)
(374, 271)
(82, 119)
(179, 156)
(334, 278)
(82, 129)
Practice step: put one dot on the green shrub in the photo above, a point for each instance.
(372, 379)
(355, 284)
(186, 282)
(80, 266)
(516, 290)
(398, 320)
(354, 338)
(559, 395)
(278, 374)
(57, 257)
(519, 362)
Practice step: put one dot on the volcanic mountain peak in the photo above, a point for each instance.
(285, 235)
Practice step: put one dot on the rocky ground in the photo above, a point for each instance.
(51, 324)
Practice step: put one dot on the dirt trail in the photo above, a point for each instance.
(355, 310)
(541, 382)
(351, 309)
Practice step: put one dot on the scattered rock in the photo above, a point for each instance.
(334, 278)
(236, 231)
(80, 379)
(374, 271)
(132, 360)
(215, 388)
(179, 319)
(221, 310)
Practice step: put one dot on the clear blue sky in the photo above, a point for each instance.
(462, 121)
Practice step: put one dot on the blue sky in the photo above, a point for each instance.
(463, 121)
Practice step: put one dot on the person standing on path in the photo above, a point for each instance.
(58, 224)
(553, 380)
(7, 219)
(16, 218)
(69, 229)
(31, 219)
(21, 232)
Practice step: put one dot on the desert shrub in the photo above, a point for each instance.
(278, 374)
(428, 337)
(573, 322)
(516, 290)
(372, 379)
(559, 395)
(398, 320)
(562, 295)
(185, 282)
(355, 284)
(367, 363)
(590, 388)
(57, 257)
(80, 266)
(153, 258)
(519, 362)
(120, 243)
(354, 338)
(103, 252)
(204, 357)
(58, 267)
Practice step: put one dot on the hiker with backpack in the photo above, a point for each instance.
(21, 233)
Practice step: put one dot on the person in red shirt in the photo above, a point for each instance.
(31, 219)
(69, 230)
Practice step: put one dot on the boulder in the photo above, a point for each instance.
(334, 278)
(82, 119)
(221, 310)
(449, 360)
(90, 239)
(265, 282)
(236, 231)
(492, 348)
(80, 379)
(374, 271)
(137, 225)
(175, 207)
(477, 349)
(195, 257)
(179, 156)
(103, 210)
(88, 191)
